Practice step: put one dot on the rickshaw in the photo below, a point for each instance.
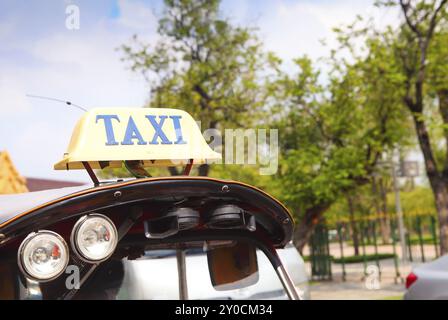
(104, 241)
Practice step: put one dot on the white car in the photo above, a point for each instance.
(155, 277)
(428, 281)
(295, 266)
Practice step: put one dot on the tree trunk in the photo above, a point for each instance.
(441, 195)
(442, 190)
(438, 184)
(379, 206)
(173, 171)
(383, 196)
(305, 227)
(353, 225)
(203, 170)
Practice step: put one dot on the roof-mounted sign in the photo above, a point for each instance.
(105, 137)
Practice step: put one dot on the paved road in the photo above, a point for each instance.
(337, 290)
(356, 285)
(360, 287)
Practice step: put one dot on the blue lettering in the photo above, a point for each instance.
(158, 130)
(132, 133)
(109, 129)
(178, 129)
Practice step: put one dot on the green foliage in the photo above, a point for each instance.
(363, 202)
(202, 64)
(438, 61)
(120, 173)
(417, 201)
(426, 239)
(332, 136)
(246, 174)
(332, 133)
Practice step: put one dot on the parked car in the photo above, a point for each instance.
(142, 278)
(295, 265)
(428, 281)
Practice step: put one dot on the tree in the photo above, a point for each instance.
(202, 64)
(333, 136)
(414, 45)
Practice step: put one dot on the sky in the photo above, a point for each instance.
(39, 55)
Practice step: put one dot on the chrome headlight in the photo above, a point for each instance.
(94, 238)
(43, 256)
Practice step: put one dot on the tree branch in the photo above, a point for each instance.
(433, 22)
(405, 6)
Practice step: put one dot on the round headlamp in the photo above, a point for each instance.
(94, 238)
(43, 255)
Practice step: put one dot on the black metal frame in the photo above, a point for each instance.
(270, 213)
(97, 182)
(258, 239)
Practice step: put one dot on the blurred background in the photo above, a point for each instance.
(357, 89)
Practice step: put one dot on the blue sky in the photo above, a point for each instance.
(39, 55)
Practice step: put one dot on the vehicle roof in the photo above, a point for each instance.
(40, 208)
(13, 204)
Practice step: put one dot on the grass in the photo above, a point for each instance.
(393, 298)
(357, 259)
(308, 258)
(426, 239)
(360, 258)
(414, 240)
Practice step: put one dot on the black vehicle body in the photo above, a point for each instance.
(130, 205)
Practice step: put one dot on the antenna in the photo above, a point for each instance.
(57, 100)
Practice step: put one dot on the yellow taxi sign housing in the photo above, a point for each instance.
(105, 137)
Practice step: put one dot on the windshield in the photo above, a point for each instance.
(155, 276)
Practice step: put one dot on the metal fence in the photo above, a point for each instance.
(347, 248)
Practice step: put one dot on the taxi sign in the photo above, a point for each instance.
(105, 137)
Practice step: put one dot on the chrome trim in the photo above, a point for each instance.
(26, 241)
(287, 283)
(182, 274)
(75, 230)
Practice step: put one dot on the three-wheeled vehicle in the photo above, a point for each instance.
(137, 238)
